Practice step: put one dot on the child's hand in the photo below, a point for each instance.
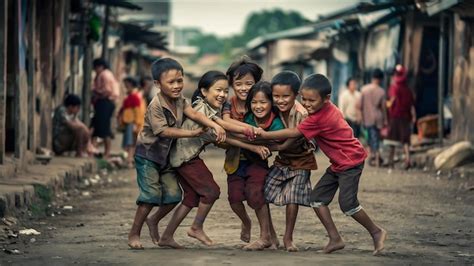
(220, 132)
(263, 151)
(258, 131)
(249, 132)
(197, 132)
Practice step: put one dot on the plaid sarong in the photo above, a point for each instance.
(285, 186)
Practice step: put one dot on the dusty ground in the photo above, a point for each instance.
(429, 219)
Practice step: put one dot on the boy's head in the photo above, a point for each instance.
(168, 77)
(351, 84)
(242, 75)
(315, 92)
(72, 103)
(99, 64)
(377, 75)
(285, 87)
(130, 83)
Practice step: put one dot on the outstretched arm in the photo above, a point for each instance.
(262, 151)
(279, 134)
(202, 119)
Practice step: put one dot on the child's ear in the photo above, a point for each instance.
(157, 84)
(203, 92)
(327, 98)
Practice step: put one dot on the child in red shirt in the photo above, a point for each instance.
(335, 138)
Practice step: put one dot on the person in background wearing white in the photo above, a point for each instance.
(349, 100)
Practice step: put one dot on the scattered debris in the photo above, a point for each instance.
(9, 221)
(79, 225)
(67, 207)
(454, 155)
(86, 193)
(11, 234)
(33, 240)
(30, 231)
(12, 251)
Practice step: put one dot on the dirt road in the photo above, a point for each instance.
(430, 219)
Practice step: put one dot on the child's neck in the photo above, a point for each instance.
(264, 121)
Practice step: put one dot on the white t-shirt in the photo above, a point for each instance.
(349, 104)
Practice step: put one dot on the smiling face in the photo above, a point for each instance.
(312, 101)
(242, 86)
(171, 83)
(217, 94)
(283, 97)
(260, 106)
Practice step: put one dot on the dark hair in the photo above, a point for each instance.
(242, 67)
(100, 62)
(206, 81)
(163, 65)
(287, 78)
(143, 79)
(72, 100)
(131, 80)
(377, 74)
(262, 86)
(319, 83)
(349, 81)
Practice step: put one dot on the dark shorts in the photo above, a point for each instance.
(197, 183)
(374, 137)
(399, 130)
(157, 186)
(101, 122)
(64, 142)
(355, 127)
(348, 184)
(247, 184)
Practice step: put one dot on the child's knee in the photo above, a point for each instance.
(350, 208)
(211, 195)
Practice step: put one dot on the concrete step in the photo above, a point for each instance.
(39, 182)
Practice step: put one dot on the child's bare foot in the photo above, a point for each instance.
(200, 235)
(153, 228)
(275, 243)
(134, 242)
(169, 243)
(245, 233)
(289, 246)
(334, 245)
(379, 239)
(259, 244)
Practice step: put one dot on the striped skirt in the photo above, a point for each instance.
(285, 186)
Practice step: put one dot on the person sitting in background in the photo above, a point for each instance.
(131, 117)
(69, 133)
(348, 103)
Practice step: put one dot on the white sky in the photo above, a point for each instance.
(227, 17)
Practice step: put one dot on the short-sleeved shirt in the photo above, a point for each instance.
(334, 137)
(158, 117)
(401, 107)
(300, 154)
(232, 154)
(187, 149)
(372, 104)
(274, 123)
(106, 86)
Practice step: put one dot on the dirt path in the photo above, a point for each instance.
(429, 220)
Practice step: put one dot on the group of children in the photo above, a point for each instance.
(260, 118)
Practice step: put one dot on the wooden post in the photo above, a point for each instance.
(441, 76)
(3, 75)
(105, 35)
(31, 76)
(20, 84)
(87, 69)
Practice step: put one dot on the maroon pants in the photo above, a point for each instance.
(247, 184)
(197, 183)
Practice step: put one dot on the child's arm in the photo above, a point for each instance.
(283, 146)
(176, 133)
(279, 134)
(226, 117)
(202, 119)
(235, 127)
(263, 151)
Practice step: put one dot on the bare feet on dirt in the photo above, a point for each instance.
(245, 233)
(134, 242)
(275, 243)
(259, 244)
(200, 235)
(334, 245)
(379, 239)
(169, 243)
(153, 228)
(289, 246)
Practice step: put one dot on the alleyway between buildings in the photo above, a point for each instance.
(430, 220)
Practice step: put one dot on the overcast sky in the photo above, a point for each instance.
(227, 17)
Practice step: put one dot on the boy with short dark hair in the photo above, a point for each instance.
(288, 182)
(157, 181)
(335, 138)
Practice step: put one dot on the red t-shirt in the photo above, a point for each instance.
(335, 137)
(401, 107)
